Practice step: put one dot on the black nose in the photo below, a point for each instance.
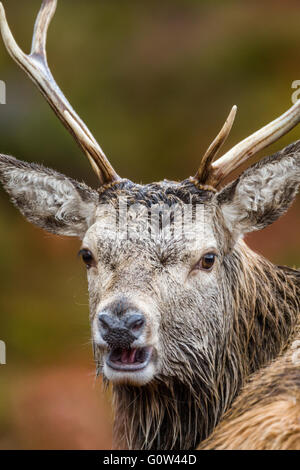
(121, 331)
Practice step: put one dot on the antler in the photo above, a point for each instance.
(213, 173)
(211, 153)
(36, 66)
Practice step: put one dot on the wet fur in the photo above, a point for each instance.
(179, 413)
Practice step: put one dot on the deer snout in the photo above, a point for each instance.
(123, 339)
(121, 331)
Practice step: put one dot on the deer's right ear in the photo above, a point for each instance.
(48, 199)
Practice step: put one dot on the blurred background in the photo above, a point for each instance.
(154, 81)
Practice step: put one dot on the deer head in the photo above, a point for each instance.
(161, 294)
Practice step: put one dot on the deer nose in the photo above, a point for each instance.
(125, 329)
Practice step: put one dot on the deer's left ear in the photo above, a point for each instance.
(262, 193)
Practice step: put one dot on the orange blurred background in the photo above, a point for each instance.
(154, 81)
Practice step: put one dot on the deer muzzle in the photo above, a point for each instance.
(123, 336)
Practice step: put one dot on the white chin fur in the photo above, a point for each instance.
(140, 377)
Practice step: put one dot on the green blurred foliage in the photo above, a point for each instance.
(154, 81)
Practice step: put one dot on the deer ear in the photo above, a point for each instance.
(48, 199)
(262, 193)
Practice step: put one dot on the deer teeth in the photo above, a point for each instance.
(129, 359)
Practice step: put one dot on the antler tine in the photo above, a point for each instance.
(43, 20)
(212, 151)
(35, 65)
(241, 152)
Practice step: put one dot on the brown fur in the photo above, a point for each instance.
(266, 415)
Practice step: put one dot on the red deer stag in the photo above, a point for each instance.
(183, 313)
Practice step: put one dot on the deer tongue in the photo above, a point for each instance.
(128, 356)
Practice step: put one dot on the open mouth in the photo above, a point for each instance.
(129, 360)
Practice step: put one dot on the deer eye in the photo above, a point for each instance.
(207, 261)
(87, 257)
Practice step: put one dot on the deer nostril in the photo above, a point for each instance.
(106, 321)
(135, 322)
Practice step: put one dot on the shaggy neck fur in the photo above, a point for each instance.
(262, 305)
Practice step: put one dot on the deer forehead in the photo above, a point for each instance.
(167, 234)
